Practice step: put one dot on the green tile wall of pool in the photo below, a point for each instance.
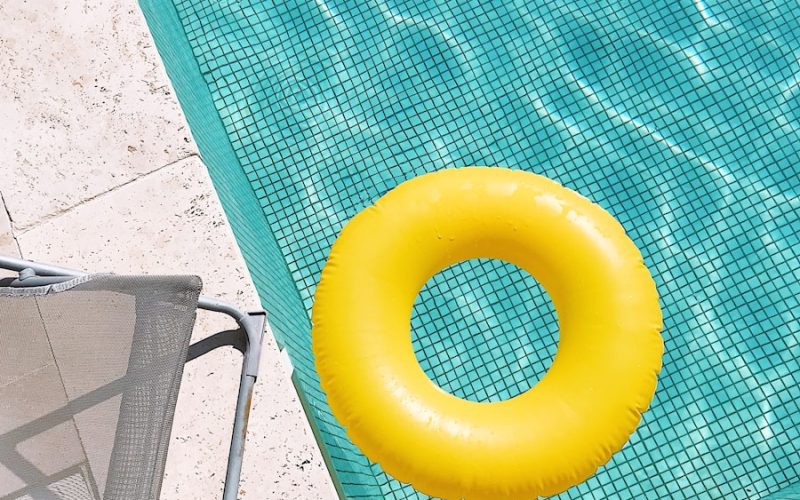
(681, 118)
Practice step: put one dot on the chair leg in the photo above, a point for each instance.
(253, 325)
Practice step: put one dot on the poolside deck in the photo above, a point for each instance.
(98, 171)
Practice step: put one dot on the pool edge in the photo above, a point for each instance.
(247, 225)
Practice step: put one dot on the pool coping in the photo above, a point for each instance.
(217, 154)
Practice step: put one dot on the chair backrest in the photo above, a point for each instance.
(89, 377)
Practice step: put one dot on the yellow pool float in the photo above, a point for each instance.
(541, 442)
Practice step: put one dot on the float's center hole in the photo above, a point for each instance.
(484, 330)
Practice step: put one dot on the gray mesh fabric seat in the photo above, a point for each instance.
(89, 376)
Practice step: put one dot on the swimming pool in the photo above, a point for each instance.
(682, 119)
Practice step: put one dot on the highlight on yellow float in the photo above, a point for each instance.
(548, 438)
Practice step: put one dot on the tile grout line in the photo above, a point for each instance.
(11, 225)
(58, 213)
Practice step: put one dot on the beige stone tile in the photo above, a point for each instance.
(97, 427)
(171, 222)
(30, 390)
(9, 482)
(30, 405)
(54, 449)
(85, 110)
(74, 333)
(85, 104)
(28, 402)
(24, 348)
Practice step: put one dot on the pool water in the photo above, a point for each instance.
(681, 118)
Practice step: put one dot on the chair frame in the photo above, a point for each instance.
(249, 340)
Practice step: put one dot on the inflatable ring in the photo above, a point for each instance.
(548, 438)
